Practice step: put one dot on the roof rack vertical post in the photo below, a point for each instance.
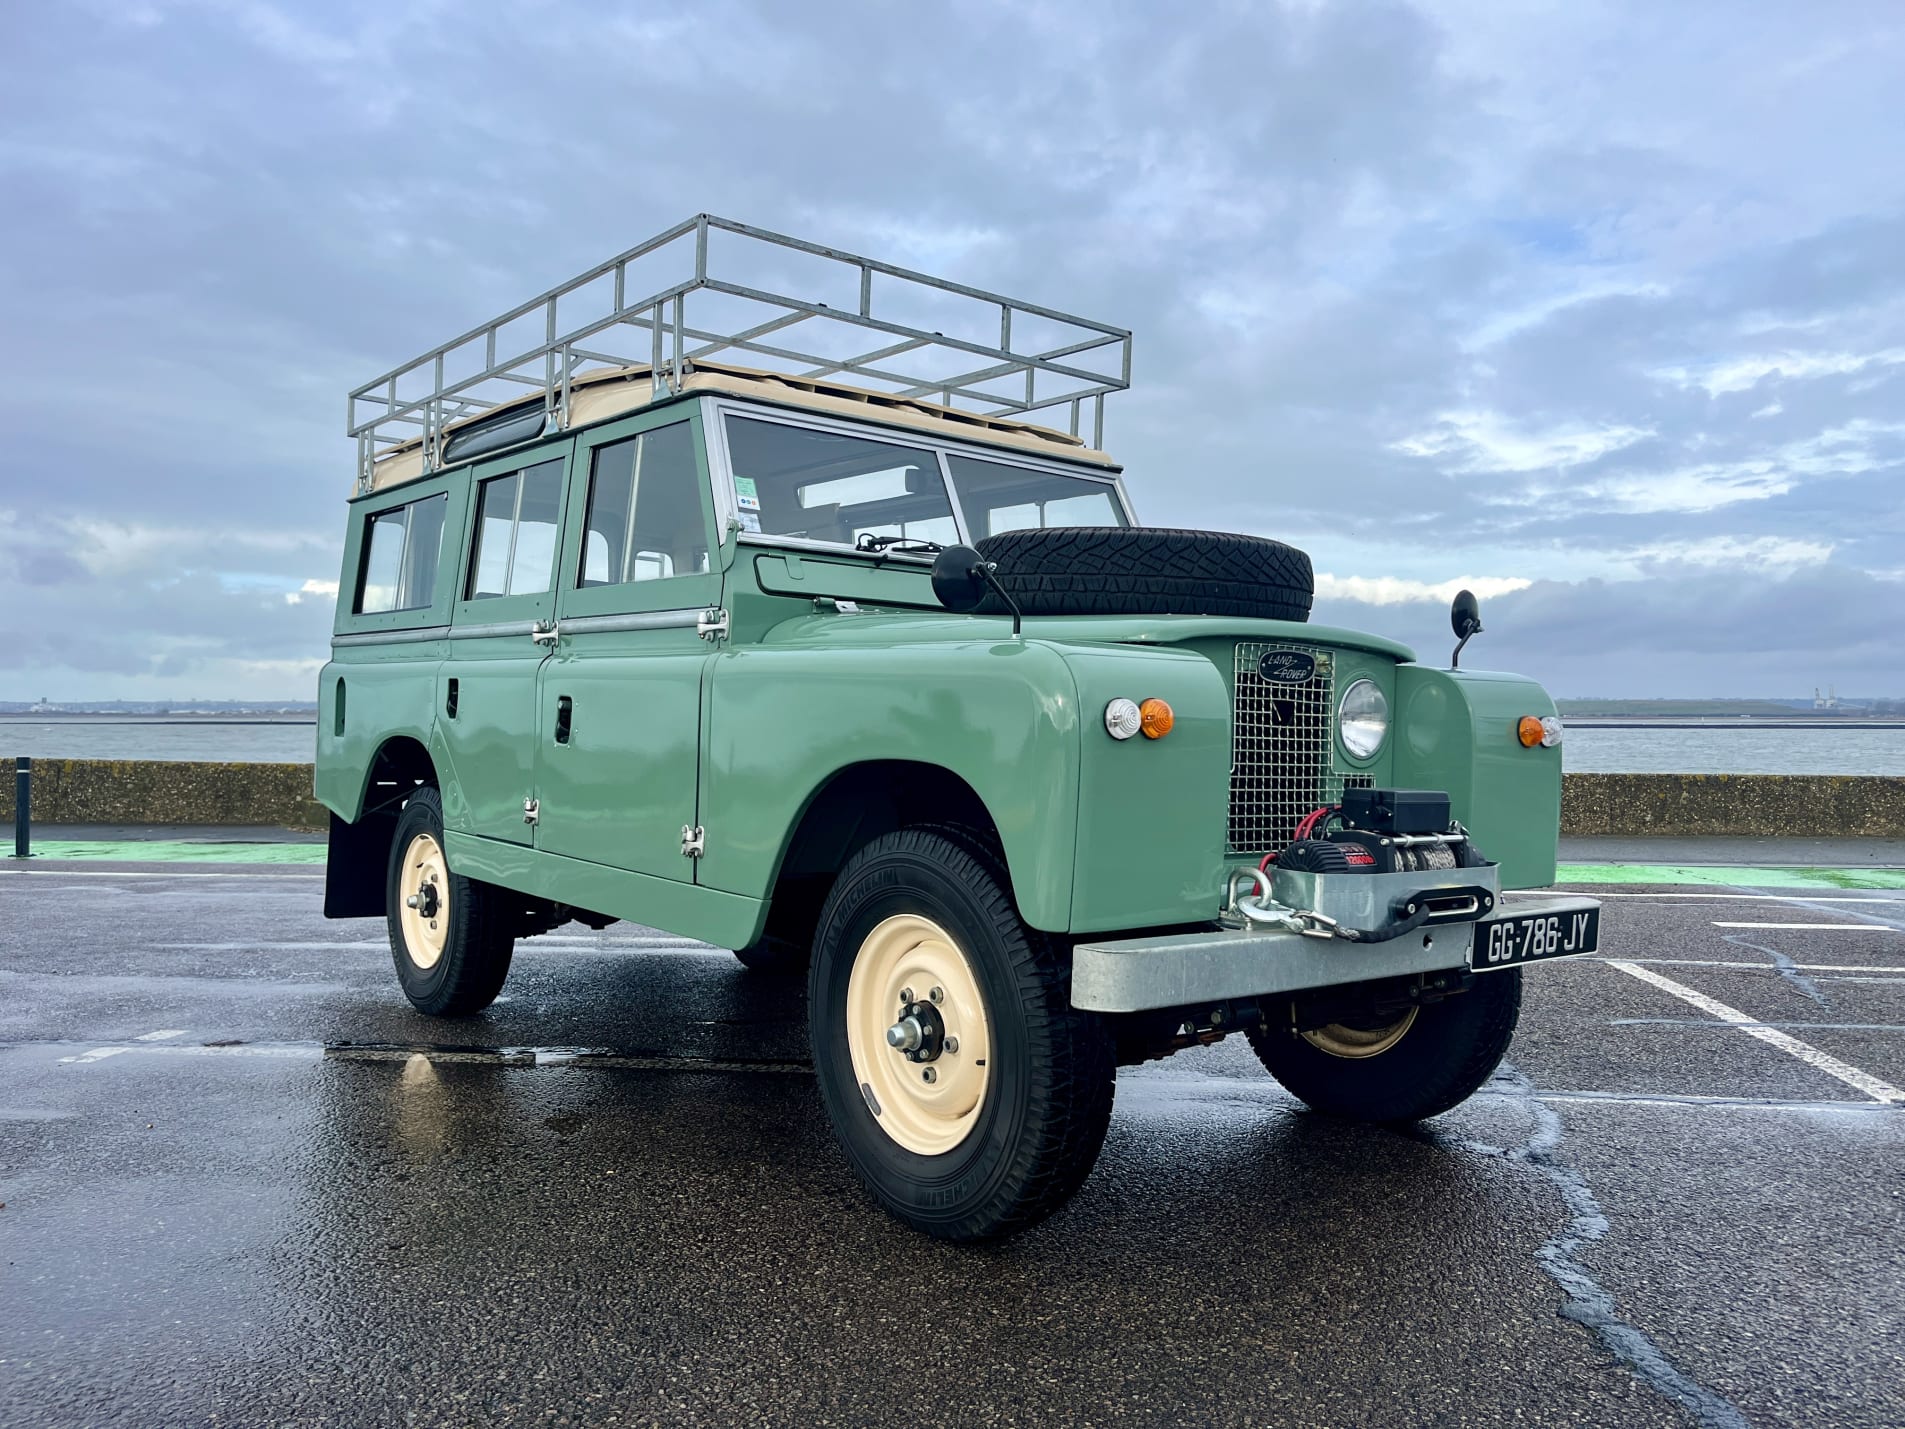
(655, 379)
(1098, 422)
(674, 381)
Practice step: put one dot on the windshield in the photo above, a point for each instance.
(824, 486)
(832, 486)
(995, 497)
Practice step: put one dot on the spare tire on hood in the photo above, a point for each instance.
(1112, 570)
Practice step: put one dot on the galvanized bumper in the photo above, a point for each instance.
(1183, 970)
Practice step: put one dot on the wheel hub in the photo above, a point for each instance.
(920, 1034)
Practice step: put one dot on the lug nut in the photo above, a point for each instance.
(906, 994)
(930, 1075)
(938, 994)
(951, 1044)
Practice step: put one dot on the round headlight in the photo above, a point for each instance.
(1362, 719)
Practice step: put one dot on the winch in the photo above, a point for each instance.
(1382, 863)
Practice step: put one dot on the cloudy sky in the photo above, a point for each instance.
(1596, 308)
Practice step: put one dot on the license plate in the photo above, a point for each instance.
(1507, 942)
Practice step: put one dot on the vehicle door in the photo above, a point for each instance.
(617, 764)
(498, 638)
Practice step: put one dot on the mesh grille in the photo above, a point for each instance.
(1280, 766)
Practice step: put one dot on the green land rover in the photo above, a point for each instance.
(835, 660)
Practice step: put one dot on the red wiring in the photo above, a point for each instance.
(1303, 830)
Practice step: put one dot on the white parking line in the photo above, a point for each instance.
(1752, 967)
(100, 1054)
(164, 1034)
(1819, 927)
(1735, 897)
(141, 873)
(1879, 1091)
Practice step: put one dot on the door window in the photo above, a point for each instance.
(517, 530)
(645, 520)
(401, 551)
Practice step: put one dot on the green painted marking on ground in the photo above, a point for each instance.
(1731, 877)
(178, 851)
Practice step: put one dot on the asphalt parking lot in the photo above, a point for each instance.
(245, 1184)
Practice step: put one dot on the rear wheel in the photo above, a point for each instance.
(1393, 1066)
(967, 1092)
(451, 937)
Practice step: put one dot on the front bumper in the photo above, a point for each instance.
(1186, 969)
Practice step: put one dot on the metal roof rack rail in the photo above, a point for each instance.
(948, 342)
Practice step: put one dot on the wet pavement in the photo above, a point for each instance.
(245, 1184)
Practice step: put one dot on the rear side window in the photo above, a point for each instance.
(517, 530)
(999, 497)
(401, 551)
(645, 518)
(827, 486)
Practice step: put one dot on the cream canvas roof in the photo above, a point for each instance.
(614, 391)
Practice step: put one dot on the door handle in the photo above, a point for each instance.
(544, 632)
(565, 718)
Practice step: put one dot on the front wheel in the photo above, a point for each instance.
(967, 1092)
(1393, 1066)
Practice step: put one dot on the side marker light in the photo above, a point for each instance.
(1155, 718)
(1529, 731)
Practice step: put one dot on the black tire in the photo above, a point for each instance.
(478, 924)
(776, 957)
(1047, 1101)
(1451, 1048)
(1104, 570)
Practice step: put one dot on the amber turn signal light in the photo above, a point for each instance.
(1155, 718)
(1529, 731)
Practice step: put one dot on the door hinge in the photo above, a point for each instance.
(544, 632)
(532, 810)
(694, 841)
(713, 624)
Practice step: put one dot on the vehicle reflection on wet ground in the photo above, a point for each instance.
(243, 1182)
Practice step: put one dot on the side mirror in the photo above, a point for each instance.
(1465, 618)
(957, 582)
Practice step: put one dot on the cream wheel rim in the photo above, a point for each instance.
(925, 1083)
(425, 886)
(1355, 1042)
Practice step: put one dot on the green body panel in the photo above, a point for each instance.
(388, 691)
(1150, 811)
(789, 712)
(724, 919)
(1455, 730)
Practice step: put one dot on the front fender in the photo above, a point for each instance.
(1456, 731)
(1001, 714)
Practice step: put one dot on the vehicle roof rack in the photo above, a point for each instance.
(960, 346)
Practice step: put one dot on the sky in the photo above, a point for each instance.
(1597, 309)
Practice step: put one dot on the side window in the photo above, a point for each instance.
(517, 532)
(401, 551)
(645, 520)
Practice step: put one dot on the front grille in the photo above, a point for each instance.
(1280, 762)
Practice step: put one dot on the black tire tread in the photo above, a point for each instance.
(1108, 570)
(482, 937)
(1073, 1077)
(1411, 1089)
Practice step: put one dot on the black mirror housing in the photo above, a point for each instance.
(1465, 615)
(957, 583)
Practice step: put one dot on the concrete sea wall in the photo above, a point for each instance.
(127, 791)
(153, 791)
